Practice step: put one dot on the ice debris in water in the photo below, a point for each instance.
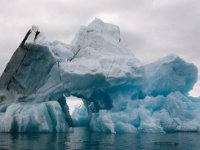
(119, 93)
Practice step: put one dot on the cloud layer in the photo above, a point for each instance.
(151, 28)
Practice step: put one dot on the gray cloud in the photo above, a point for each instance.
(151, 28)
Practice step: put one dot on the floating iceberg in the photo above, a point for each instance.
(119, 93)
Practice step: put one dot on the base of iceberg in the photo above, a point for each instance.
(38, 117)
(175, 112)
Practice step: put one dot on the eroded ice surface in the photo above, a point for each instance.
(32, 117)
(119, 93)
(175, 112)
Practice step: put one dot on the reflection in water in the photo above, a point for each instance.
(82, 138)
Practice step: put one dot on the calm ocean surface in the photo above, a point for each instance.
(83, 139)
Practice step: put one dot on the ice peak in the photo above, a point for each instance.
(99, 36)
(97, 20)
(99, 26)
(34, 28)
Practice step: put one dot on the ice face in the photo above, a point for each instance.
(175, 112)
(168, 75)
(37, 117)
(119, 93)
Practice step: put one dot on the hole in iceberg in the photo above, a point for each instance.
(78, 111)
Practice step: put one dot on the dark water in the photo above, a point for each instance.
(82, 138)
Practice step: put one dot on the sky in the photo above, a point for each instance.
(151, 28)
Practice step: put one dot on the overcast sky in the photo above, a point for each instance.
(151, 28)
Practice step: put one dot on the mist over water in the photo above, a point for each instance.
(83, 139)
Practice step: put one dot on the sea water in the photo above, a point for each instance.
(83, 139)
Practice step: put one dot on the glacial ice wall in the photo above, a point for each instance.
(32, 117)
(119, 93)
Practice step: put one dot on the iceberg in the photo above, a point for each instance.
(119, 93)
